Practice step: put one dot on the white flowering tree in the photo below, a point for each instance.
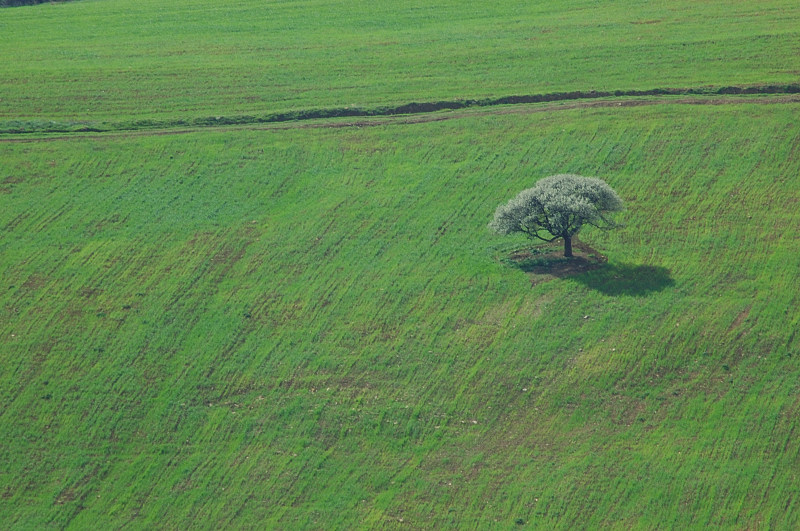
(558, 207)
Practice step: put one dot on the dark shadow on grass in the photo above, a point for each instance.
(627, 279)
(546, 263)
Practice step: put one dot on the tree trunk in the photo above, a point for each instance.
(568, 246)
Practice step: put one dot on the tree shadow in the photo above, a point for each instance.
(627, 279)
(545, 263)
(549, 260)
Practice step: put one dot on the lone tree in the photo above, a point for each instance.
(558, 207)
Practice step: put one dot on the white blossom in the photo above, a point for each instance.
(558, 207)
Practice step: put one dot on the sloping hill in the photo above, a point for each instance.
(92, 61)
(307, 325)
(312, 327)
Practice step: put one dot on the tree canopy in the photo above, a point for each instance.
(558, 207)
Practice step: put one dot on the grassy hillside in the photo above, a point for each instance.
(119, 60)
(312, 327)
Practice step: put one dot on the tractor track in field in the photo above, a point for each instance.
(414, 113)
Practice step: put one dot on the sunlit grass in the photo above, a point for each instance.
(315, 328)
(94, 61)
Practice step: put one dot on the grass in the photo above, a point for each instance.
(314, 328)
(310, 326)
(81, 64)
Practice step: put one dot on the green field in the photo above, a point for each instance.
(118, 60)
(309, 325)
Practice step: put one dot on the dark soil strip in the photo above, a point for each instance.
(429, 107)
(419, 112)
